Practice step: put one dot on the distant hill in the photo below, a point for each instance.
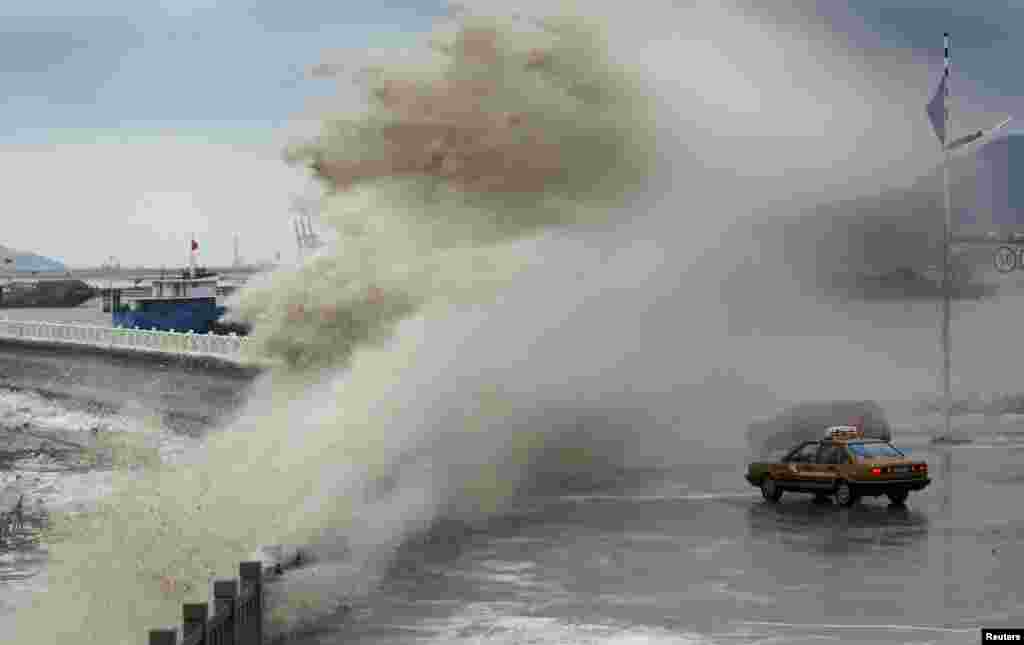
(28, 261)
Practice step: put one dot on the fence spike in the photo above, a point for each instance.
(225, 596)
(224, 589)
(194, 617)
(163, 637)
(251, 575)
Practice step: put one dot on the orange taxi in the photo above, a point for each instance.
(843, 464)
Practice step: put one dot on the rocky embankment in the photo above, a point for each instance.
(187, 394)
(68, 415)
(22, 442)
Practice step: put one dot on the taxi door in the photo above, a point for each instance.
(800, 466)
(826, 466)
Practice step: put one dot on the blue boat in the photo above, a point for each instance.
(184, 303)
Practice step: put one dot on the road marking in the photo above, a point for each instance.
(907, 628)
(657, 498)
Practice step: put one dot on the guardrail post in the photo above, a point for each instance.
(225, 593)
(251, 574)
(193, 618)
(163, 637)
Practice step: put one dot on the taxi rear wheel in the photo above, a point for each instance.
(770, 490)
(845, 495)
(898, 497)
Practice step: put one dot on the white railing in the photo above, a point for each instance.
(170, 342)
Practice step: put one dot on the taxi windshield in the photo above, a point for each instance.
(869, 450)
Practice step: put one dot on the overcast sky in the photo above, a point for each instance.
(128, 125)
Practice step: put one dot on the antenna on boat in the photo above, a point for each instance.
(193, 247)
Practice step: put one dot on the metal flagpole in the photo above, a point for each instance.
(938, 113)
(947, 288)
(947, 283)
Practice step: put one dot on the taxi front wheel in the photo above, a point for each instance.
(845, 494)
(770, 490)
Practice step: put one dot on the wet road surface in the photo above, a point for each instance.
(692, 555)
(699, 558)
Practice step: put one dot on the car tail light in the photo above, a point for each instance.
(921, 468)
(876, 471)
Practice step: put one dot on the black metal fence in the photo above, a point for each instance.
(237, 617)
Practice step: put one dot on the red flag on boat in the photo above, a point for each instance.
(195, 245)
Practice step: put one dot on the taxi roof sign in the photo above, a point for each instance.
(844, 432)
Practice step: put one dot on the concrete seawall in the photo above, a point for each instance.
(187, 392)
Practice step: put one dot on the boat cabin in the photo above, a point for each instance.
(198, 287)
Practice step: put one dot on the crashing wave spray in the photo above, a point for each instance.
(501, 133)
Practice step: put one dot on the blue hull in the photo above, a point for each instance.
(183, 317)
